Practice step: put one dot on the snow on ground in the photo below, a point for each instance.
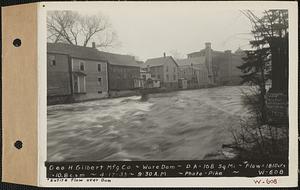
(182, 125)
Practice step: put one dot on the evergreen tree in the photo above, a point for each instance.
(269, 55)
(268, 58)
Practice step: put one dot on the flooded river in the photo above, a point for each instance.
(182, 125)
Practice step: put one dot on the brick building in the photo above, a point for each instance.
(222, 66)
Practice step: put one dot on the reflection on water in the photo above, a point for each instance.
(183, 125)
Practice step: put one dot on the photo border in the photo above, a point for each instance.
(290, 181)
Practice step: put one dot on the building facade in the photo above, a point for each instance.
(75, 73)
(194, 71)
(147, 80)
(164, 69)
(90, 80)
(58, 75)
(222, 66)
(123, 74)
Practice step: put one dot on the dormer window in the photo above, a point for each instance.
(82, 66)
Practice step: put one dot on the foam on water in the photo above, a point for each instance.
(176, 125)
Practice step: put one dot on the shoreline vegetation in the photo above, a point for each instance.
(255, 138)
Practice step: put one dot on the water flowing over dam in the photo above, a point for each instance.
(181, 125)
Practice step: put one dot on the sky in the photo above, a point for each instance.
(147, 30)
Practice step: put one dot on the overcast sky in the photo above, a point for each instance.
(147, 30)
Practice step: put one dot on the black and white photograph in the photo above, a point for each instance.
(150, 94)
(160, 82)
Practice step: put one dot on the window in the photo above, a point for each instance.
(153, 75)
(174, 77)
(99, 81)
(174, 69)
(82, 66)
(167, 77)
(158, 76)
(99, 67)
(124, 72)
(167, 68)
(52, 60)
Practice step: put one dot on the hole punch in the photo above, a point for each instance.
(18, 144)
(17, 42)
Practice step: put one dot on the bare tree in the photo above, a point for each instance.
(73, 28)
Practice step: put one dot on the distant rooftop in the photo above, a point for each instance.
(195, 62)
(119, 59)
(90, 53)
(190, 61)
(75, 51)
(159, 61)
(201, 53)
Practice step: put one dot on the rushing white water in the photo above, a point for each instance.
(182, 125)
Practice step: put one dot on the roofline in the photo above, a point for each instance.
(71, 45)
(174, 61)
(153, 66)
(103, 60)
(158, 65)
(122, 65)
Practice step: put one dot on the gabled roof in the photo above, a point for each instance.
(75, 51)
(191, 61)
(197, 63)
(90, 53)
(119, 59)
(159, 61)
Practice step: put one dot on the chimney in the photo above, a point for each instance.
(208, 45)
(164, 54)
(93, 45)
